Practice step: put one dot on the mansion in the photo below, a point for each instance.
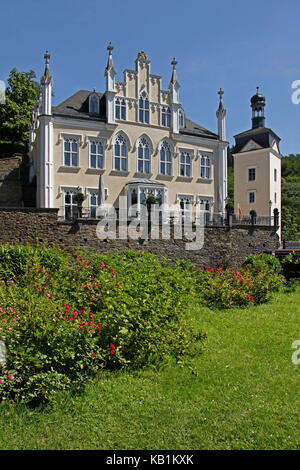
(134, 139)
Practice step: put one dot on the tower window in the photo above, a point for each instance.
(251, 174)
(275, 174)
(251, 197)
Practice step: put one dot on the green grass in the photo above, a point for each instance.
(245, 396)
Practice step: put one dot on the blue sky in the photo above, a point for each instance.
(232, 44)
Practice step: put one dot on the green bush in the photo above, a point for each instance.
(62, 326)
(291, 266)
(15, 259)
(261, 262)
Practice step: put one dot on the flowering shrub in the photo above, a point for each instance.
(252, 284)
(60, 326)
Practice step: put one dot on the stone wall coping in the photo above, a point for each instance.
(27, 209)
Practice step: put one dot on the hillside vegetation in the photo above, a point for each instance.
(291, 196)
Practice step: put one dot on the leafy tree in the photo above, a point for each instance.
(230, 168)
(21, 94)
(289, 225)
(291, 196)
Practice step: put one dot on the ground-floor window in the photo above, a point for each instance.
(93, 203)
(70, 208)
(205, 206)
(186, 202)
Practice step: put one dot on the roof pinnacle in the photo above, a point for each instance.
(110, 62)
(47, 69)
(174, 77)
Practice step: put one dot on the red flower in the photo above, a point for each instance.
(99, 327)
(112, 348)
(93, 354)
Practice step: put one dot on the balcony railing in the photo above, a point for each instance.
(73, 213)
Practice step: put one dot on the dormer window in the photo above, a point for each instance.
(144, 108)
(94, 104)
(166, 116)
(120, 108)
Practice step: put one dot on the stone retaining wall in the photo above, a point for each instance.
(222, 246)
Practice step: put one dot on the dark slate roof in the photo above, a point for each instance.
(192, 128)
(263, 136)
(77, 106)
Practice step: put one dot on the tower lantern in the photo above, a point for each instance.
(258, 103)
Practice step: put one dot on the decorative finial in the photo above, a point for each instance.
(110, 47)
(142, 56)
(47, 59)
(257, 88)
(110, 64)
(221, 93)
(174, 77)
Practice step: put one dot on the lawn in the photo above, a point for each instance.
(244, 396)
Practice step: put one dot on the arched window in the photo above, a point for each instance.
(93, 203)
(120, 154)
(166, 117)
(143, 156)
(205, 167)
(96, 154)
(70, 152)
(185, 168)
(70, 204)
(120, 108)
(94, 104)
(165, 159)
(144, 108)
